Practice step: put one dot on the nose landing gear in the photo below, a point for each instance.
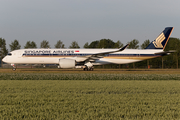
(14, 67)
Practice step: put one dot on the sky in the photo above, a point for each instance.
(86, 20)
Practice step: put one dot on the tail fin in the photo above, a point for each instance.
(161, 41)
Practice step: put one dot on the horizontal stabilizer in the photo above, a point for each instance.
(165, 52)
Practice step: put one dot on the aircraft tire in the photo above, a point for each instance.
(88, 69)
(14, 69)
(85, 69)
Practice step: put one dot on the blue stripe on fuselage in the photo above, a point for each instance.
(45, 55)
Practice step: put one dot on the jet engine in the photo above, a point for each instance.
(66, 63)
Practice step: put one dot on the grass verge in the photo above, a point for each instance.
(86, 76)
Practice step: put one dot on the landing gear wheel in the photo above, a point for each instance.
(88, 69)
(91, 69)
(85, 69)
(14, 69)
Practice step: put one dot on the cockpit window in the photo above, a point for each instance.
(9, 54)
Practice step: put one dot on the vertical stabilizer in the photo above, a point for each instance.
(161, 41)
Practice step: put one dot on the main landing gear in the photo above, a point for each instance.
(88, 66)
(88, 69)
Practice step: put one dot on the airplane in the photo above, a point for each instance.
(87, 58)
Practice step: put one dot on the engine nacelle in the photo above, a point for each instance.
(67, 63)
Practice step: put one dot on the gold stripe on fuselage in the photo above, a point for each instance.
(107, 57)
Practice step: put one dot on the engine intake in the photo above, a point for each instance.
(67, 63)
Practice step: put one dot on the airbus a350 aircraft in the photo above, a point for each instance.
(87, 58)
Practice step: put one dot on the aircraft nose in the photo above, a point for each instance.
(4, 59)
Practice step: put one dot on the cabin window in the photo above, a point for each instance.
(9, 54)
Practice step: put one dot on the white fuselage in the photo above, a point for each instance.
(52, 56)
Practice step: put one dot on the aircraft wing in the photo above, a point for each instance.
(104, 53)
(99, 55)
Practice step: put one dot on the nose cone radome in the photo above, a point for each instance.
(4, 59)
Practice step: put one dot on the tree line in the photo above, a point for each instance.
(103, 43)
(170, 61)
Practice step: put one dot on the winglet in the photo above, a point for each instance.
(124, 47)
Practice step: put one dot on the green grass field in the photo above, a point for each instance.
(89, 99)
